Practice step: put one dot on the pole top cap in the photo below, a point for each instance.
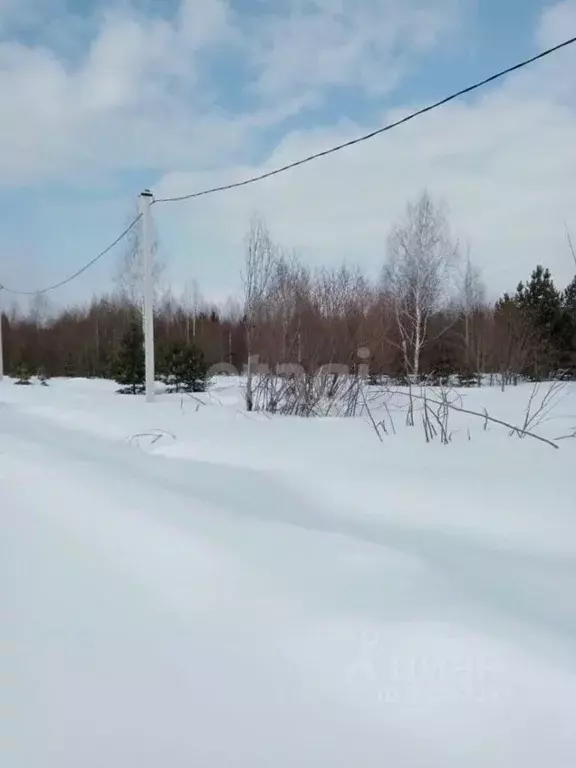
(146, 193)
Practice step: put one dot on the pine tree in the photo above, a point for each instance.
(183, 368)
(569, 300)
(164, 358)
(130, 368)
(568, 357)
(23, 375)
(541, 299)
(541, 303)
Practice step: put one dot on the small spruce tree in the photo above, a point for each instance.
(23, 375)
(129, 369)
(183, 368)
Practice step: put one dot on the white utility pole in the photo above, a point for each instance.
(146, 198)
(1, 344)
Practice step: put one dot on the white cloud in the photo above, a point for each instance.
(137, 98)
(558, 22)
(364, 43)
(505, 162)
(121, 107)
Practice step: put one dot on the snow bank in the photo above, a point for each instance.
(183, 583)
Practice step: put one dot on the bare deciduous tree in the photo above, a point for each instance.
(418, 273)
(514, 341)
(40, 309)
(129, 274)
(192, 303)
(473, 307)
(570, 243)
(473, 289)
(259, 262)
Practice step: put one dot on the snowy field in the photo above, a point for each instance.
(187, 585)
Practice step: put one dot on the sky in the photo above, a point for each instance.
(103, 98)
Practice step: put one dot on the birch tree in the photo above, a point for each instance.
(259, 265)
(418, 275)
(473, 289)
(129, 275)
(473, 306)
(192, 302)
(40, 310)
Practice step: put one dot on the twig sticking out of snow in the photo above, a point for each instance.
(568, 436)
(537, 413)
(154, 436)
(445, 403)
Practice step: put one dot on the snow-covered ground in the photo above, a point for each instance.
(184, 584)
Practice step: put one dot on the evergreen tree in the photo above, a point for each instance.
(22, 375)
(183, 368)
(541, 299)
(569, 300)
(129, 369)
(541, 303)
(568, 358)
(164, 356)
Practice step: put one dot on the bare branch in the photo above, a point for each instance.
(153, 436)
(260, 259)
(536, 415)
(486, 418)
(570, 244)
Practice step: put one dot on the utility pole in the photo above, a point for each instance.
(1, 343)
(146, 198)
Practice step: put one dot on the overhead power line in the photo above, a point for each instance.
(370, 135)
(78, 271)
(297, 163)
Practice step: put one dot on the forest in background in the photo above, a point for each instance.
(426, 317)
